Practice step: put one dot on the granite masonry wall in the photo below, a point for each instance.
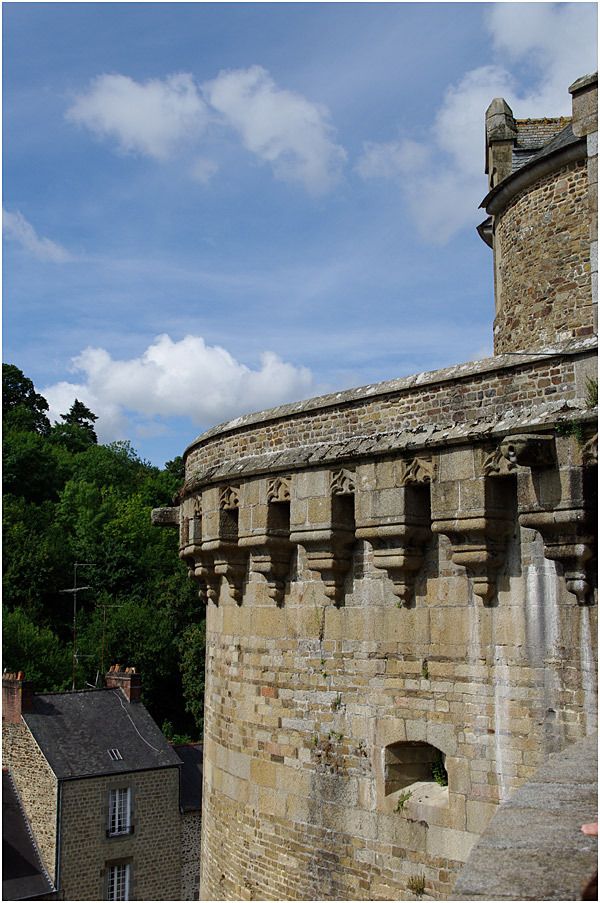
(400, 584)
(543, 271)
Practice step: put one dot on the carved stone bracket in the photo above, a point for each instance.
(568, 538)
(209, 582)
(478, 543)
(329, 552)
(399, 550)
(343, 482)
(417, 471)
(329, 545)
(495, 464)
(529, 450)
(278, 490)
(228, 559)
(271, 550)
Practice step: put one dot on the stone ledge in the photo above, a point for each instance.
(398, 386)
(533, 848)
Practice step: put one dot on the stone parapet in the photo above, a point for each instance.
(482, 399)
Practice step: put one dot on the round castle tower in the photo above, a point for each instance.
(543, 224)
(399, 579)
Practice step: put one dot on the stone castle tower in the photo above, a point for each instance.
(399, 579)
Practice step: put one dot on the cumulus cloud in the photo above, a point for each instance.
(279, 126)
(151, 118)
(176, 378)
(16, 228)
(442, 179)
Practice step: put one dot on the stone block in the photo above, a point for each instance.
(479, 815)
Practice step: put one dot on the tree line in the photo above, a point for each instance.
(69, 500)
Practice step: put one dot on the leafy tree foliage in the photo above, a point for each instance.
(22, 408)
(69, 500)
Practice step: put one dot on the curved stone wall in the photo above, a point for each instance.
(391, 580)
(542, 263)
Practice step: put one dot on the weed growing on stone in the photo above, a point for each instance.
(438, 771)
(337, 702)
(591, 392)
(402, 800)
(425, 669)
(416, 884)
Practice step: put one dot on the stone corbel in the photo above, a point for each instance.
(329, 548)
(399, 541)
(271, 551)
(529, 450)
(479, 545)
(398, 549)
(228, 560)
(568, 538)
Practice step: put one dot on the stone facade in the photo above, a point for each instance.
(37, 787)
(400, 587)
(153, 848)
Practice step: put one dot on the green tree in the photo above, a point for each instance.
(191, 646)
(36, 651)
(81, 416)
(22, 407)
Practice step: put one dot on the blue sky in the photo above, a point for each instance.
(212, 208)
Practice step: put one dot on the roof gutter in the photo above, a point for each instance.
(500, 196)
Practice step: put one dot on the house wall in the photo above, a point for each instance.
(37, 786)
(154, 847)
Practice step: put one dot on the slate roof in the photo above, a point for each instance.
(533, 144)
(23, 875)
(191, 775)
(76, 730)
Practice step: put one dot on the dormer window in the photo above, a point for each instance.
(119, 812)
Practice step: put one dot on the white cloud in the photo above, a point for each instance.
(443, 179)
(151, 118)
(18, 229)
(279, 126)
(203, 170)
(186, 378)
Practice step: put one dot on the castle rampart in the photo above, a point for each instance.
(400, 590)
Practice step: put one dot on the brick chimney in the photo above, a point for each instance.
(127, 679)
(17, 694)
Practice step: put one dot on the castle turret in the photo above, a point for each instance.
(542, 176)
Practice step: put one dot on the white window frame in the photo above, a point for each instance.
(118, 877)
(119, 811)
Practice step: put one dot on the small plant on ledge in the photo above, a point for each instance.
(438, 771)
(416, 884)
(402, 800)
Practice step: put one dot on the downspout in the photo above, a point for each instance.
(58, 835)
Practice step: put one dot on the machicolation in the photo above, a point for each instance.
(400, 579)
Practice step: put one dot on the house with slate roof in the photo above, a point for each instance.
(99, 787)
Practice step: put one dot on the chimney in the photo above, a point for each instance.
(500, 137)
(17, 694)
(585, 105)
(127, 679)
